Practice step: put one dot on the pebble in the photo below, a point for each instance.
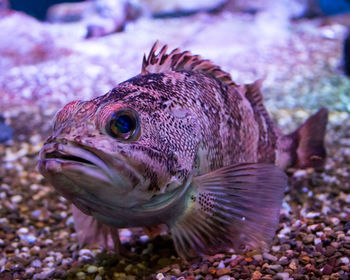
(344, 260)
(256, 275)
(92, 269)
(221, 264)
(282, 275)
(81, 275)
(270, 257)
(312, 215)
(225, 277)
(16, 199)
(223, 271)
(276, 267)
(330, 250)
(36, 263)
(327, 269)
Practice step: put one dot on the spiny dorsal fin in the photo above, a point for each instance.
(177, 61)
(253, 93)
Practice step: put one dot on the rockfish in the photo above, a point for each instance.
(179, 144)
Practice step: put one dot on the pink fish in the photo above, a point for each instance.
(179, 144)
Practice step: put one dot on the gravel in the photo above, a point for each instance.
(37, 237)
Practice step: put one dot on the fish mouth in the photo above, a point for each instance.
(69, 158)
(59, 156)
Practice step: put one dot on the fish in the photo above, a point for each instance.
(181, 146)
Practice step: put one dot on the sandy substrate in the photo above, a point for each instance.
(42, 70)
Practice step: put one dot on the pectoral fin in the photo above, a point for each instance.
(229, 207)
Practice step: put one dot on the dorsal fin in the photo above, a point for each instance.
(253, 93)
(177, 61)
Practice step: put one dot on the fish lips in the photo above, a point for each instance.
(80, 173)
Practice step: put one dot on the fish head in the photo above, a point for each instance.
(124, 149)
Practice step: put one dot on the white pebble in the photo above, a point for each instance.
(23, 230)
(80, 275)
(300, 173)
(30, 271)
(311, 215)
(144, 238)
(344, 260)
(317, 241)
(30, 238)
(49, 259)
(16, 199)
(125, 233)
(221, 265)
(85, 252)
(283, 275)
(335, 221)
(36, 263)
(35, 187)
(70, 221)
(160, 276)
(269, 257)
(67, 261)
(92, 269)
(225, 277)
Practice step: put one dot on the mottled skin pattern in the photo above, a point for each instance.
(195, 121)
(197, 130)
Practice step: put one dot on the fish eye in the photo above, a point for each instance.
(124, 124)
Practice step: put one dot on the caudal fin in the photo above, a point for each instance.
(308, 141)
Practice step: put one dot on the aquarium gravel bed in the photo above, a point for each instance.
(37, 237)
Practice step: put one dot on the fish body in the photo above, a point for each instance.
(179, 144)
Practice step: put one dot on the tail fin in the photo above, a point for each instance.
(307, 142)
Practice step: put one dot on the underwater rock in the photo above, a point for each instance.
(100, 17)
(6, 131)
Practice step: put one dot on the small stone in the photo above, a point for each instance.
(16, 199)
(335, 221)
(258, 257)
(305, 259)
(308, 238)
(312, 215)
(327, 269)
(160, 276)
(293, 265)
(225, 277)
(344, 260)
(223, 271)
(92, 269)
(221, 264)
(36, 263)
(282, 275)
(176, 271)
(204, 268)
(276, 267)
(29, 271)
(270, 257)
(256, 275)
(80, 275)
(330, 250)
